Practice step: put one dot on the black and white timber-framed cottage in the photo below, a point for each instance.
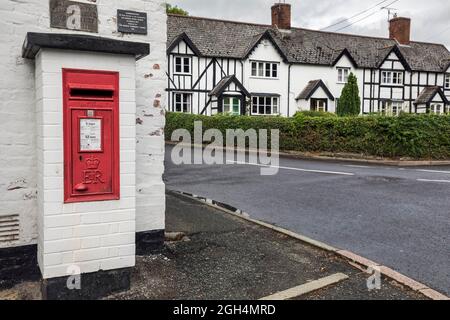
(220, 66)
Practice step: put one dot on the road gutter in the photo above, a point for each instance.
(347, 255)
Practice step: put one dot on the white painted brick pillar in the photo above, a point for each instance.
(88, 236)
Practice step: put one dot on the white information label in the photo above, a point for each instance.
(90, 135)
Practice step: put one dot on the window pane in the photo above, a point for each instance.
(275, 105)
(260, 69)
(261, 109)
(261, 101)
(275, 70)
(178, 67)
(187, 65)
(226, 105)
(268, 70)
(254, 69)
(186, 102)
(236, 106)
(340, 77)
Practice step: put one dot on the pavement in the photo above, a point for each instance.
(399, 217)
(224, 257)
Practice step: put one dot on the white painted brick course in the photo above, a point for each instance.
(33, 122)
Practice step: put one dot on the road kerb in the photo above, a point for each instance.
(307, 288)
(349, 256)
(434, 295)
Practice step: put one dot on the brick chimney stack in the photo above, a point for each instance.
(281, 16)
(400, 30)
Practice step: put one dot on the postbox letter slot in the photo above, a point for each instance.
(78, 93)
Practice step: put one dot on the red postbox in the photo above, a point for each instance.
(91, 135)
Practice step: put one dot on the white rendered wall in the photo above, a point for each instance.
(91, 235)
(18, 170)
(266, 52)
(302, 74)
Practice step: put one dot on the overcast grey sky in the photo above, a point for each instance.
(430, 18)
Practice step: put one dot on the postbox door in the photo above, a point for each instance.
(92, 152)
(91, 136)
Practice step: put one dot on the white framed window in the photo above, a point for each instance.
(265, 106)
(343, 74)
(262, 69)
(392, 77)
(182, 102)
(436, 108)
(391, 108)
(447, 81)
(232, 105)
(183, 65)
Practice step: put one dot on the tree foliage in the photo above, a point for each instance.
(349, 102)
(176, 10)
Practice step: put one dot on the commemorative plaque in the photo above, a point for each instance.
(131, 22)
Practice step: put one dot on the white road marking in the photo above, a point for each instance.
(294, 169)
(355, 166)
(438, 181)
(307, 288)
(433, 171)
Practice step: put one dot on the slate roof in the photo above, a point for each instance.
(227, 39)
(427, 95)
(311, 87)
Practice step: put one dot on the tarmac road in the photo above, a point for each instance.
(399, 217)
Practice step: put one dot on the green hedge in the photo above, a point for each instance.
(406, 136)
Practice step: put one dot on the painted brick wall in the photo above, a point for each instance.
(18, 160)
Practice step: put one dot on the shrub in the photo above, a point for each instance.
(406, 136)
(314, 114)
(350, 102)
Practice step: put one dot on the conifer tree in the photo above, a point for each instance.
(350, 102)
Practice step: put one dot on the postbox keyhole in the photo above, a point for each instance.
(81, 158)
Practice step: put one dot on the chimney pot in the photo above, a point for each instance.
(281, 16)
(400, 30)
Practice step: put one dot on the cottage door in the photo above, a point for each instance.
(319, 105)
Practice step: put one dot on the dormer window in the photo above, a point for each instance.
(343, 74)
(262, 69)
(447, 81)
(183, 65)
